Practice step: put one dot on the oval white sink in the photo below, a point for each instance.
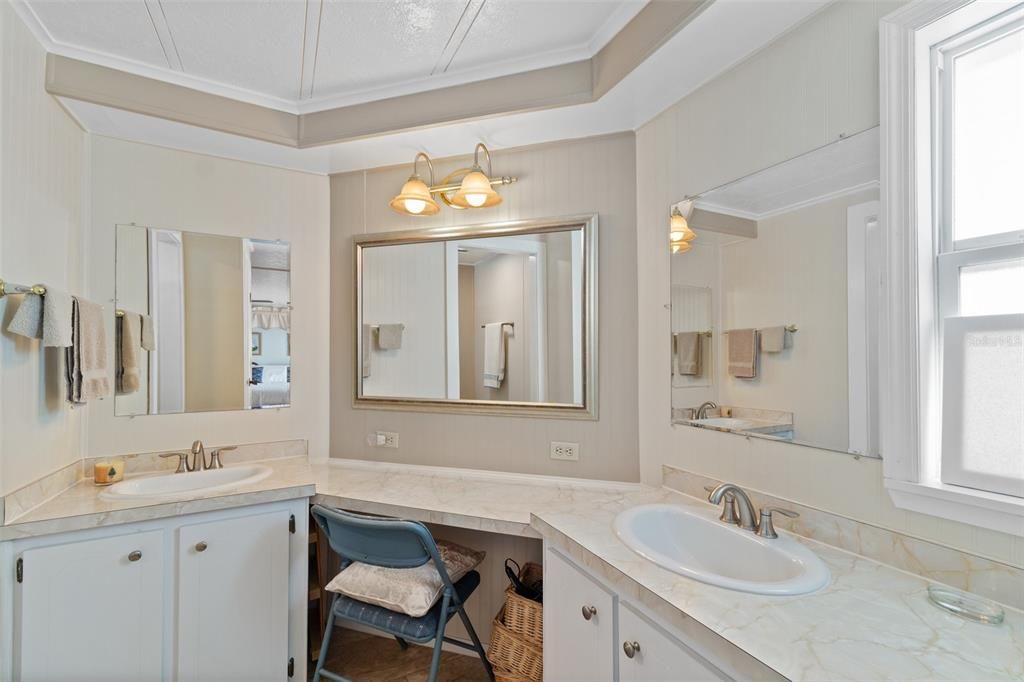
(697, 545)
(188, 483)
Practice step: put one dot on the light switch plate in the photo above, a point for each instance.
(569, 452)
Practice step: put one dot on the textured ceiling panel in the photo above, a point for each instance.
(365, 45)
(244, 43)
(512, 30)
(122, 29)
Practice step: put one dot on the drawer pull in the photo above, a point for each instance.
(200, 546)
(631, 648)
(588, 612)
(135, 556)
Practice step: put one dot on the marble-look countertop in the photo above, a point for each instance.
(872, 622)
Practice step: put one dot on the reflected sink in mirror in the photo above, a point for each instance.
(160, 486)
(725, 423)
(695, 544)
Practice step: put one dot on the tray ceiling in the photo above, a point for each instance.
(305, 55)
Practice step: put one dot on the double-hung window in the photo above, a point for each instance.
(953, 429)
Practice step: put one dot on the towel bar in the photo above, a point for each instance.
(503, 324)
(791, 328)
(12, 288)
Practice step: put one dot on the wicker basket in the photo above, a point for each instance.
(501, 675)
(515, 657)
(524, 616)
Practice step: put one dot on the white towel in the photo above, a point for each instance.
(773, 339)
(365, 350)
(44, 317)
(148, 333)
(494, 354)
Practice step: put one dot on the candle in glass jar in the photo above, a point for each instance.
(108, 471)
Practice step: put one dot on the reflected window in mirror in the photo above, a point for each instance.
(492, 318)
(202, 322)
(774, 305)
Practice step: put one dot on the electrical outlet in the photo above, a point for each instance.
(383, 439)
(565, 451)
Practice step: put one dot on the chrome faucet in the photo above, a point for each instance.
(702, 411)
(740, 500)
(198, 462)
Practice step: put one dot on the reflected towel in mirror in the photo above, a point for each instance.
(494, 354)
(773, 339)
(742, 353)
(389, 336)
(686, 350)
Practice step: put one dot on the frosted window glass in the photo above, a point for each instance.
(988, 138)
(993, 407)
(992, 288)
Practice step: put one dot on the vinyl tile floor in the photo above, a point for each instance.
(363, 657)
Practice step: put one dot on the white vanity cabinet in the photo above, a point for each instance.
(210, 596)
(625, 645)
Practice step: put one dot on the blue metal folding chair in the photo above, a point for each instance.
(394, 543)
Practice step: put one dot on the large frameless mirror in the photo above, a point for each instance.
(203, 322)
(775, 301)
(491, 318)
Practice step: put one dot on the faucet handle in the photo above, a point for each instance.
(766, 529)
(215, 462)
(182, 457)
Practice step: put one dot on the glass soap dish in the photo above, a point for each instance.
(966, 605)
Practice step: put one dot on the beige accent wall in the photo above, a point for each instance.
(594, 175)
(42, 195)
(214, 324)
(171, 189)
(500, 297)
(801, 92)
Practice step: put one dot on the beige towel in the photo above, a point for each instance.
(773, 339)
(148, 339)
(687, 353)
(129, 348)
(389, 336)
(86, 358)
(742, 353)
(44, 317)
(494, 354)
(366, 350)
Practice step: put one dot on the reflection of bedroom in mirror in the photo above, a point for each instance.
(173, 354)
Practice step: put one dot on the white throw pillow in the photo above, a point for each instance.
(407, 590)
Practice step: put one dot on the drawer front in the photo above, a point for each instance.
(577, 646)
(656, 656)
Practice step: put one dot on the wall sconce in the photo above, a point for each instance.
(679, 233)
(472, 188)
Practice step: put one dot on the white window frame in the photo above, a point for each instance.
(911, 356)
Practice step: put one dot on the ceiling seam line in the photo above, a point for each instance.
(170, 33)
(465, 35)
(156, 31)
(316, 50)
(455, 29)
(302, 60)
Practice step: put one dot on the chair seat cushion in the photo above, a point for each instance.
(421, 629)
(412, 591)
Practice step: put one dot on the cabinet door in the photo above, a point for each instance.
(233, 599)
(659, 657)
(576, 647)
(92, 610)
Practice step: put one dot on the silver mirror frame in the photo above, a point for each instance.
(588, 410)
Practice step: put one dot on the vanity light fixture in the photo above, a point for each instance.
(471, 186)
(415, 199)
(679, 233)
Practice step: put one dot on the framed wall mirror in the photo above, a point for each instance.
(493, 319)
(775, 302)
(202, 322)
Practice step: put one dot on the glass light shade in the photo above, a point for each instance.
(680, 247)
(476, 192)
(680, 228)
(415, 199)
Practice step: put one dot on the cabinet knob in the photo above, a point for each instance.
(200, 546)
(588, 612)
(134, 556)
(631, 648)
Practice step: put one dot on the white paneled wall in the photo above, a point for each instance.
(42, 190)
(594, 175)
(816, 82)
